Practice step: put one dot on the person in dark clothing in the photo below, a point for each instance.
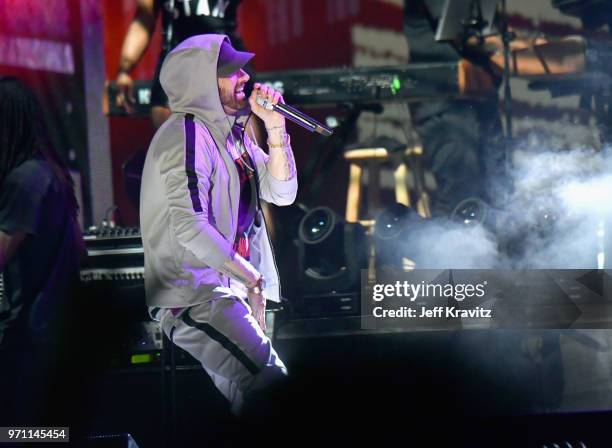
(461, 137)
(180, 20)
(40, 249)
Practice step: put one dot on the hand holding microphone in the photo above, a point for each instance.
(265, 101)
(262, 101)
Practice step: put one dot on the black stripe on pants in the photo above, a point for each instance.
(224, 341)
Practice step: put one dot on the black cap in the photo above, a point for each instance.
(230, 60)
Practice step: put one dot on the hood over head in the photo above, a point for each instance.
(189, 78)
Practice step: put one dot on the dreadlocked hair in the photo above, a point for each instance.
(22, 135)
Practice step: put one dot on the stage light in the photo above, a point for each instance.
(395, 229)
(406, 241)
(331, 252)
(391, 222)
(471, 212)
(317, 225)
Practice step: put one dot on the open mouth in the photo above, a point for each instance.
(239, 94)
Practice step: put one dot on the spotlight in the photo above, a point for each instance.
(317, 225)
(331, 253)
(395, 230)
(391, 221)
(471, 212)
(321, 231)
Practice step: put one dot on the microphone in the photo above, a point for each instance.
(297, 116)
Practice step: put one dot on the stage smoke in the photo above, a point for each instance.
(557, 215)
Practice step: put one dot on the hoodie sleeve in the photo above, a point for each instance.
(186, 171)
(271, 189)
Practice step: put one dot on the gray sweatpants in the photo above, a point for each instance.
(225, 338)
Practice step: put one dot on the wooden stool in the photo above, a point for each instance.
(373, 160)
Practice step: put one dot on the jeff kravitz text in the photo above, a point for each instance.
(448, 312)
(399, 292)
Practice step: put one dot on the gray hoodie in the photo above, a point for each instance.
(190, 187)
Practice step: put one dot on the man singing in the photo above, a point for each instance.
(205, 239)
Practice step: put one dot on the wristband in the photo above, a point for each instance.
(286, 143)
